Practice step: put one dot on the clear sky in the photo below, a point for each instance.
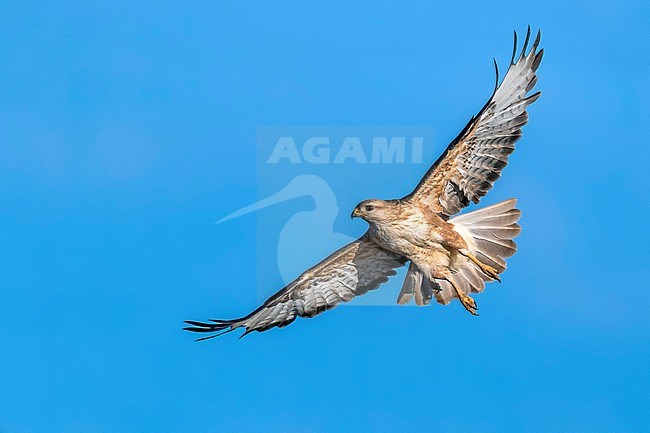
(128, 128)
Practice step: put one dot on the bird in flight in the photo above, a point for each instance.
(450, 256)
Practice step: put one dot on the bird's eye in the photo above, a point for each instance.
(369, 207)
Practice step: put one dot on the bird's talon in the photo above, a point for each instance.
(469, 304)
(490, 272)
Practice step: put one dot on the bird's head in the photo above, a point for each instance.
(376, 211)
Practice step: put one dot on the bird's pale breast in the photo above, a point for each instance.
(409, 233)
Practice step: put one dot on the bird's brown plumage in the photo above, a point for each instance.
(450, 258)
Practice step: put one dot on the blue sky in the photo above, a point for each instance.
(127, 129)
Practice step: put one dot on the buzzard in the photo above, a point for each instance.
(450, 256)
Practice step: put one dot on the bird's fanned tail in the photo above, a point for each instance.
(489, 234)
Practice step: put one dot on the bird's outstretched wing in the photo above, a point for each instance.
(473, 161)
(351, 271)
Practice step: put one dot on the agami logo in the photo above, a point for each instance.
(322, 150)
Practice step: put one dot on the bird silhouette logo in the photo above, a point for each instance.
(315, 225)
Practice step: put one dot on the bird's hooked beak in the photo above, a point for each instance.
(355, 213)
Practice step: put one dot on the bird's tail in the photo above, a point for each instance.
(488, 233)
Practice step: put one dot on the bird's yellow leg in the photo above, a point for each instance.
(468, 302)
(486, 269)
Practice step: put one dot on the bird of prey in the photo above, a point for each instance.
(450, 256)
